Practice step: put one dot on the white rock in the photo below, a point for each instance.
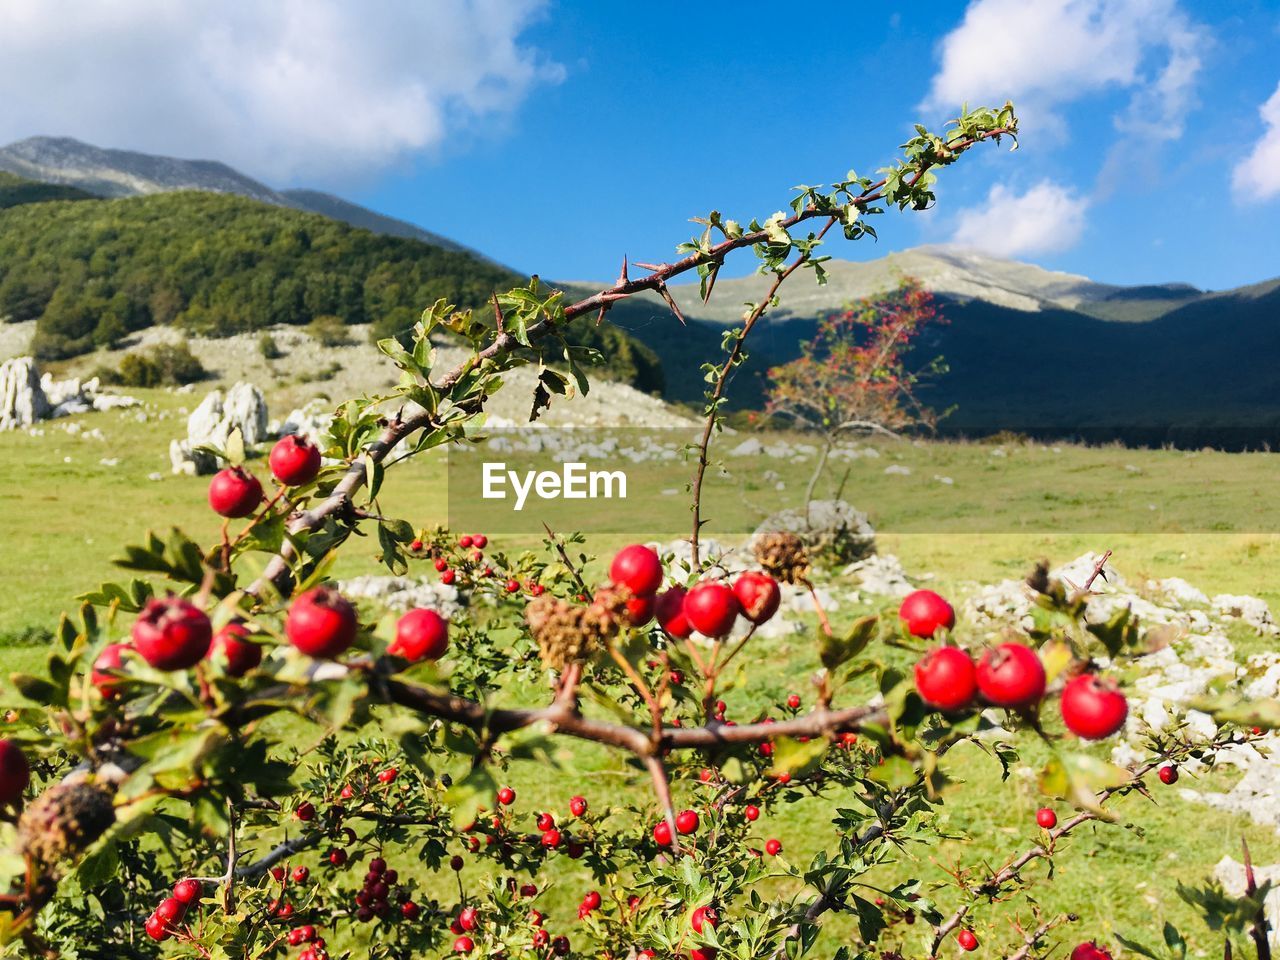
(747, 448)
(897, 470)
(1252, 610)
(22, 398)
(882, 574)
(404, 593)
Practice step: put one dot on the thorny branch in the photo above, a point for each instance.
(277, 574)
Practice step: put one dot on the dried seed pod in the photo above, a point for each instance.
(63, 821)
(783, 555)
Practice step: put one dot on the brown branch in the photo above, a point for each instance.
(1035, 935)
(722, 382)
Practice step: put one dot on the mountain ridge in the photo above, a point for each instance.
(113, 173)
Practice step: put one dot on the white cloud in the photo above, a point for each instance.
(1046, 218)
(285, 90)
(1257, 176)
(1052, 52)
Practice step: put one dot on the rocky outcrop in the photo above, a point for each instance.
(834, 532)
(22, 399)
(213, 421)
(26, 396)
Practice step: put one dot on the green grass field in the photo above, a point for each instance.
(65, 514)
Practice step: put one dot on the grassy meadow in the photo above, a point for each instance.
(1201, 516)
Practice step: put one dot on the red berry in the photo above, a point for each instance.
(467, 918)
(338, 857)
(171, 910)
(377, 867)
(946, 678)
(463, 945)
(578, 806)
(1011, 676)
(535, 918)
(703, 915)
(513, 586)
(416, 546)
(479, 540)
(456, 863)
(752, 812)
(1046, 818)
(441, 564)
(669, 609)
(686, 822)
(637, 568)
(172, 634)
(758, 595)
(592, 900)
(410, 910)
(925, 612)
(156, 928)
(321, 623)
(773, 847)
(551, 838)
(388, 775)
(640, 610)
(187, 891)
(702, 953)
(546, 821)
(662, 833)
(420, 635)
(967, 940)
(234, 492)
(294, 460)
(300, 874)
(1093, 708)
(560, 946)
(305, 811)
(278, 873)
(506, 796)
(1168, 774)
(448, 577)
(241, 655)
(111, 658)
(793, 701)
(465, 542)
(540, 938)
(1089, 951)
(711, 608)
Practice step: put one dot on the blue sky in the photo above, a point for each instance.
(556, 136)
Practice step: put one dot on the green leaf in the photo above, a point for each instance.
(835, 650)
(235, 448)
(794, 757)
(465, 798)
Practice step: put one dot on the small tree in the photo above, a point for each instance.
(853, 375)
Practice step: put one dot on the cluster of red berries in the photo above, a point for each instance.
(710, 607)
(172, 633)
(700, 919)
(373, 900)
(1009, 675)
(235, 492)
(313, 944)
(472, 564)
(169, 916)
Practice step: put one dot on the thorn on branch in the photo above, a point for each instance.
(623, 279)
(497, 313)
(671, 302)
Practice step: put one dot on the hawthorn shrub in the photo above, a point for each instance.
(225, 758)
